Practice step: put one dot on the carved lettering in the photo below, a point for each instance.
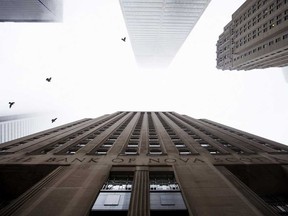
(118, 160)
(197, 159)
(131, 160)
(154, 160)
(244, 159)
(79, 160)
(51, 160)
(57, 160)
(93, 160)
(63, 160)
(184, 160)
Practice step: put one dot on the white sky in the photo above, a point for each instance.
(94, 73)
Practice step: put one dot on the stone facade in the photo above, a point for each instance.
(143, 163)
(256, 37)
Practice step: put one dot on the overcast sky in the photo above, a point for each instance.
(94, 72)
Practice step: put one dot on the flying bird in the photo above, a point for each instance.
(53, 120)
(123, 39)
(11, 104)
(48, 79)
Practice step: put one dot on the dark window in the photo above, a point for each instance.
(165, 195)
(114, 197)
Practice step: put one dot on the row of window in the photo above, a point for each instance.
(269, 9)
(134, 140)
(265, 61)
(109, 142)
(154, 143)
(260, 48)
(74, 148)
(232, 33)
(277, 20)
(239, 133)
(200, 140)
(220, 142)
(179, 144)
(4, 149)
(64, 141)
(165, 195)
(115, 195)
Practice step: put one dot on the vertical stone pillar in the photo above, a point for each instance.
(139, 203)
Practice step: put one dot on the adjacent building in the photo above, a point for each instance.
(143, 163)
(16, 126)
(256, 37)
(158, 28)
(31, 10)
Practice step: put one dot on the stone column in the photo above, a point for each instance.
(139, 204)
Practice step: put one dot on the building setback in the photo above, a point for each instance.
(158, 28)
(31, 10)
(256, 37)
(143, 163)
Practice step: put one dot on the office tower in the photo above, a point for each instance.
(256, 37)
(143, 163)
(16, 126)
(157, 28)
(31, 10)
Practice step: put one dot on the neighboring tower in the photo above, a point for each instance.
(31, 10)
(256, 38)
(158, 28)
(143, 163)
(16, 126)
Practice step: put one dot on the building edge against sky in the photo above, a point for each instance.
(157, 29)
(143, 163)
(256, 37)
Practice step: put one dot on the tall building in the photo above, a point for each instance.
(158, 28)
(16, 126)
(256, 37)
(31, 10)
(143, 163)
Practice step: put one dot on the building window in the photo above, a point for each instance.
(155, 151)
(165, 195)
(114, 197)
(102, 151)
(131, 151)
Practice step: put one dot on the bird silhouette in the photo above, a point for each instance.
(53, 120)
(123, 39)
(48, 79)
(11, 104)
